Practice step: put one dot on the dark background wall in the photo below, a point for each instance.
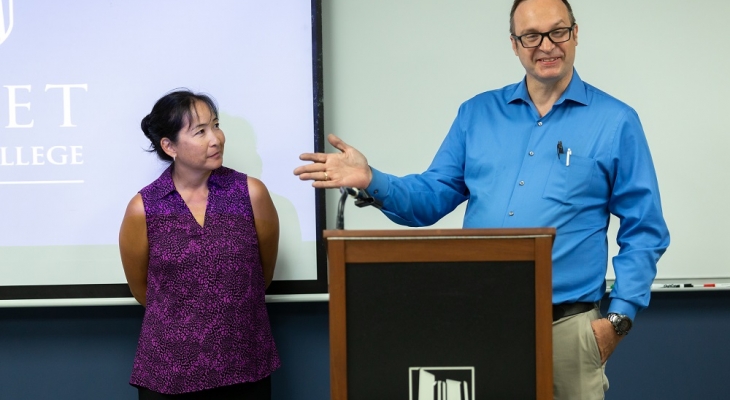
(678, 350)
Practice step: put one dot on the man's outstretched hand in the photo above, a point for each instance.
(347, 168)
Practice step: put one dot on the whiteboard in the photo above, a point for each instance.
(397, 72)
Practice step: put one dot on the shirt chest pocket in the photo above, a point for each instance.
(570, 184)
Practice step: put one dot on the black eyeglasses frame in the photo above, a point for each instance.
(545, 35)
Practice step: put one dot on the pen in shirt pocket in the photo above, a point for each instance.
(567, 157)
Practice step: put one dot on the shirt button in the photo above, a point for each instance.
(532, 153)
(376, 191)
(511, 213)
(539, 123)
(522, 183)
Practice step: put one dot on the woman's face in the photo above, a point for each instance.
(200, 144)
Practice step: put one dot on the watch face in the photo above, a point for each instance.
(622, 323)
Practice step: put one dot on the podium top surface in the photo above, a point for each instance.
(445, 233)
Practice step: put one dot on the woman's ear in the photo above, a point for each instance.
(168, 147)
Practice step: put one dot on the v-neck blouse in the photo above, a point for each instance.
(206, 323)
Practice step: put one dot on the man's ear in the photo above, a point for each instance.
(514, 45)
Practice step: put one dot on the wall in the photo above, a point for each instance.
(677, 350)
(87, 352)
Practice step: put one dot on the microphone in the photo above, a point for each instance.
(362, 199)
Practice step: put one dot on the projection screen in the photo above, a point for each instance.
(77, 78)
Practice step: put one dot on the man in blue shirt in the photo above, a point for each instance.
(550, 150)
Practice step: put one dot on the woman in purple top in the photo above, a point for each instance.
(199, 246)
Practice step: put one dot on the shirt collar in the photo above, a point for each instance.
(164, 184)
(576, 91)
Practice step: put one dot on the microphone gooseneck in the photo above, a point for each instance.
(362, 199)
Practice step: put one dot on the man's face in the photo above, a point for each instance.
(548, 63)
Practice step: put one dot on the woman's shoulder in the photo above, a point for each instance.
(135, 207)
(256, 188)
(225, 176)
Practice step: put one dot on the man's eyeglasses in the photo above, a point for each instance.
(531, 40)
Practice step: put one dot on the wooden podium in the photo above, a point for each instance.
(453, 314)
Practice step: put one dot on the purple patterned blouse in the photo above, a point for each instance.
(206, 323)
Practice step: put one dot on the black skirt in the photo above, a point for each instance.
(260, 390)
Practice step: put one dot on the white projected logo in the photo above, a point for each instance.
(441, 383)
(5, 30)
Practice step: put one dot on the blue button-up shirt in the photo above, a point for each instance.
(503, 157)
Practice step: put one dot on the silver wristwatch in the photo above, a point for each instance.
(621, 323)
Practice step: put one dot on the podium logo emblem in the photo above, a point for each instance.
(6, 19)
(441, 383)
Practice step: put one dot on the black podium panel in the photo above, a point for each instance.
(469, 325)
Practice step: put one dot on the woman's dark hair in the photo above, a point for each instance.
(169, 115)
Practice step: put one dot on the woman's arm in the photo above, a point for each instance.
(134, 248)
(267, 226)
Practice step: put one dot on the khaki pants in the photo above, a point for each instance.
(577, 370)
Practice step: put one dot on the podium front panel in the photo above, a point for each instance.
(442, 318)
